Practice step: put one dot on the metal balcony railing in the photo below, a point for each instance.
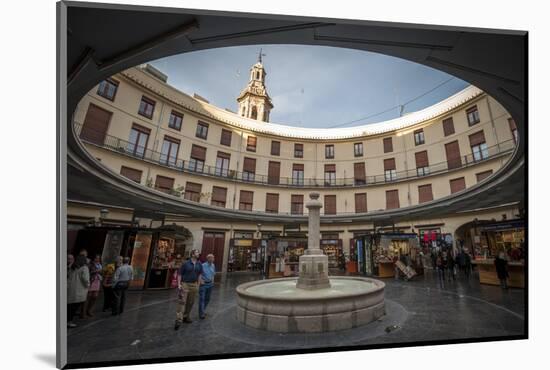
(197, 167)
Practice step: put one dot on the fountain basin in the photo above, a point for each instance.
(277, 305)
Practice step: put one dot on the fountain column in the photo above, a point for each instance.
(313, 263)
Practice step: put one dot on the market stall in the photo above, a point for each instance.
(391, 247)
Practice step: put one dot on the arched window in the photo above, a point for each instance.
(254, 114)
(257, 75)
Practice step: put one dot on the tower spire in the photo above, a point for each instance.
(260, 56)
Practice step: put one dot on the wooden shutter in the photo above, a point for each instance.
(272, 202)
(193, 187)
(198, 152)
(448, 126)
(388, 145)
(330, 204)
(477, 138)
(457, 185)
(224, 155)
(483, 175)
(251, 143)
(389, 164)
(425, 193)
(273, 173)
(275, 148)
(392, 199)
(360, 202)
(297, 204)
(421, 159)
(130, 173)
(512, 124)
(246, 196)
(172, 140)
(164, 183)
(95, 125)
(299, 150)
(249, 165)
(219, 194)
(452, 150)
(359, 171)
(330, 168)
(226, 137)
(297, 167)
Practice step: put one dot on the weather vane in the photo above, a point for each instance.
(260, 56)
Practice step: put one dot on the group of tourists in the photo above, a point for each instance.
(448, 265)
(85, 279)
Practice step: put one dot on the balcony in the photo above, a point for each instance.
(190, 166)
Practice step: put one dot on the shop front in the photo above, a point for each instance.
(493, 238)
(246, 254)
(331, 246)
(283, 255)
(361, 249)
(388, 248)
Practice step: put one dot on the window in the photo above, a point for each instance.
(198, 155)
(137, 143)
(272, 203)
(249, 169)
(392, 199)
(330, 174)
(359, 175)
(329, 151)
(275, 148)
(330, 204)
(251, 143)
(193, 191)
(96, 124)
(513, 129)
(202, 130)
(448, 126)
(388, 145)
(245, 200)
(273, 173)
(425, 193)
(226, 137)
(107, 88)
(164, 184)
(297, 204)
(219, 196)
(131, 173)
(390, 173)
(298, 150)
(146, 107)
(457, 185)
(483, 175)
(478, 145)
(452, 150)
(222, 164)
(297, 174)
(169, 151)
(361, 203)
(473, 115)
(419, 137)
(422, 166)
(358, 149)
(175, 120)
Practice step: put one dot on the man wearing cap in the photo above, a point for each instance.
(188, 286)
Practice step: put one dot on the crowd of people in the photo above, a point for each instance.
(86, 278)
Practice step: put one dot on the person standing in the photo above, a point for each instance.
(108, 297)
(206, 284)
(501, 265)
(451, 265)
(78, 282)
(95, 284)
(440, 265)
(467, 264)
(188, 286)
(123, 275)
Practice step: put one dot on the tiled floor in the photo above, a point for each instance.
(422, 310)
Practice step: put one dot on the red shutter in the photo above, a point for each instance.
(224, 155)
(273, 173)
(448, 126)
(330, 168)
(272, 203)
(226, 137)
(297, 167)
(132, 174)
(483, 175)
(452, 150)
(246, 196)
(198, 152)
(477, 138)
(388, 145)
(392, 199)
(389, 164)
(249, 165)
(361, 203)
(296, 204)
(330, 204)
(421, 159)
(425, 193)
(164, 184)
(457, 185)
(95, 125)
(275, 148)
(219, 194)
(359, 171)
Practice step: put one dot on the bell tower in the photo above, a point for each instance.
(254, 102)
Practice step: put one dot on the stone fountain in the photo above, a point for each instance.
(313, 302)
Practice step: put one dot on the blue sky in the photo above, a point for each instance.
(312, 86)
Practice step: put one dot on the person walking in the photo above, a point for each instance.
(451, 265)
(206, 284)
(78, 282)
(121, 281)
(501, 265)
(467, 264)
(440, 265)
(108, 297)
(188, 286)
(95, 284)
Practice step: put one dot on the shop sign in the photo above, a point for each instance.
(242, 242)
(519, 224)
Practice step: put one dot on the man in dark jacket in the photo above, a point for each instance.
(501, 266)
